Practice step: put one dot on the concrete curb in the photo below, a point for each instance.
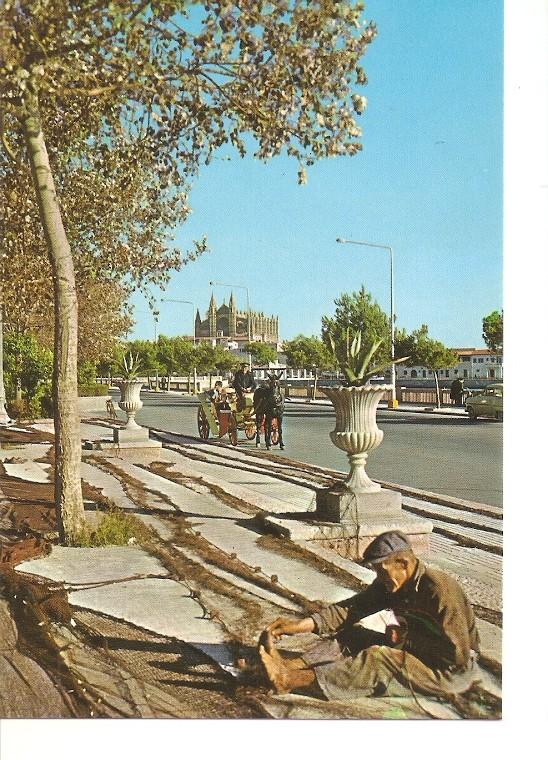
(416, 493)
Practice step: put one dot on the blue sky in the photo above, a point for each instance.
(428, 182)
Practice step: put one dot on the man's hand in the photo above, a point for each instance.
(395, 635)
(288, 626)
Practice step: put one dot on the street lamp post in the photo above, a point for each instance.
(393, 403)
(156, 315)
(242, 287)
(191, 303)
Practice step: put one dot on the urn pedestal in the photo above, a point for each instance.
(130, 401)
(132, 435)
(356, 430)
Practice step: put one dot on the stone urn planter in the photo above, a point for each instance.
(130, 401)
(356, 430)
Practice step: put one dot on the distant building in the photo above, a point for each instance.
(474, 364)
(227, 325)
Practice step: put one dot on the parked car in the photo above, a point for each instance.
(486, 403)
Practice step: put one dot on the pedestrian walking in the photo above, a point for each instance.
(456, 393)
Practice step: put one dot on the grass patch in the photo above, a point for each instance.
(115, 528)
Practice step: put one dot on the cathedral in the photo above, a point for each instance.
(229, 323)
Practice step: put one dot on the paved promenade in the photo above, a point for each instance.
(158, 630)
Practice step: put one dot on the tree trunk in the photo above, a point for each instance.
(68, 486)
(4, 417)
(438, 400)
(315, 384)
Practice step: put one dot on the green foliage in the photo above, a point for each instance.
(308, 353)
(46, 404)
(493, 329)
(114, 528)
(427, 352)
(93, 389)
(27, 370)
(130, 366)
(358, 332)
(145, 349)
(359, 312)
(404, 344)
(355, 357)
(175, 355)
(184, 352)
(225, 361)
(283, 71)
(261, 353)
(18, 409)
(87, 373)
(165, 354)
(205, 358)
(39, 405)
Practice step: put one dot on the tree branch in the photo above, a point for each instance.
(7, 147)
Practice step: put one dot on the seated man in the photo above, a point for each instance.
(244, 382)
(432, 650)
(217, 396)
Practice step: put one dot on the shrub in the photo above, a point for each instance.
(93, 389)
(115, 528)
(18, 409)
(46, 406)
(87, 372)
(27, 366)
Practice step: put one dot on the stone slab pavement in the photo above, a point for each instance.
(94, 566)
(128, 584)
(37, 472)
(228, 529)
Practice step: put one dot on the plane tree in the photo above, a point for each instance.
(225, 361)
(493, 330)
(308, 353)
(164, 84)
(424, 351)
(261, 353)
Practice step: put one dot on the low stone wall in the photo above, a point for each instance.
(93, 403)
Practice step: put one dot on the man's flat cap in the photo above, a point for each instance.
(384, 546)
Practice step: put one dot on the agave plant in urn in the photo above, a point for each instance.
(130, 389)
(355, 404)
